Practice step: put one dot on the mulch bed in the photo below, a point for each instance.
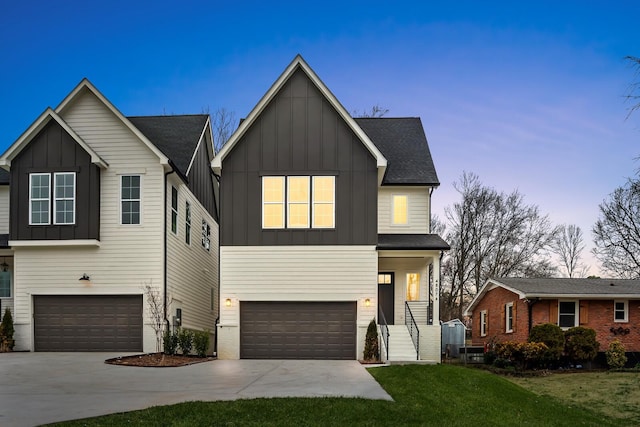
(157, 360)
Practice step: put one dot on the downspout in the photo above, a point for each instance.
(166, 267)
(215, 339)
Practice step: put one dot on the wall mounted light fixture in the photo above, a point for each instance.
(367, 302)
(227, 302)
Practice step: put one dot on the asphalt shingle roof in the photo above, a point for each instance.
(4, 177)
(176, 136)
(560, 286)
(403, 143)
(411, 242)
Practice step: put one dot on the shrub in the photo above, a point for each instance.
(580, 344)
(553, 337)
(6, 331)
(170, 342)
(371, 347)
(185, 340)
(521, 355)
(490, 357)
(201, 342)
(616, 357)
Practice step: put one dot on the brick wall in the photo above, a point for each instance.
(494, 303)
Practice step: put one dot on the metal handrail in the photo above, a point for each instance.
(414, 332)
(384, 331)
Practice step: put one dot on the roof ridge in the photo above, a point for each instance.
(169, 115)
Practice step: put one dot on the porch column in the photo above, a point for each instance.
(436, 291)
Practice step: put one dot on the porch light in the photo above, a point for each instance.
(367, 302)
(227, 302)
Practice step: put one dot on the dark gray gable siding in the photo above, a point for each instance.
(54, 150)
(201, 180)
(299, 133)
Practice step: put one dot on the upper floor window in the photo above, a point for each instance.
(309, 201)
(399, 209)
(508, 309)
(64, 206)
(39, 198)
(174, 210)
(206, 235)
(187, 223)
(5, 284)
(621, 311)
(567, 314)
(483, 323)
(130, 199)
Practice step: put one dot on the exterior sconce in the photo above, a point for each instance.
(367, 302)
(85, 280)
(227, 302)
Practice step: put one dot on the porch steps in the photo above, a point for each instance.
(401, 347)
(420, 311)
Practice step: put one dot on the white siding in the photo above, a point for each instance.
(294, 273)
(192, 271)
(129, 255)
(430, 347)
(418, 210)
(4, 209)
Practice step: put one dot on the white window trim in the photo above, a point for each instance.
(174, 211)
(31, 199)
(55, 199)
(508, 306)
(314, 203)
(188, 212)
(483, 323)
(626, 311)
(10, 287)
(283, 203)
(393, 216)
(290, 203)
(576, 321)
(120, 200)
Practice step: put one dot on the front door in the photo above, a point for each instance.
(385, 296)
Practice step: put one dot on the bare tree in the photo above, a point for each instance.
(223, 124)
(374, 112)
(156, 311)
(492, 234)
(617, 232)
(633, 93)
(568, 244)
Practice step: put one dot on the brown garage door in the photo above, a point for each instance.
(298, 330)
(87, 323)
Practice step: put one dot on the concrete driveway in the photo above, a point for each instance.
(37, 388)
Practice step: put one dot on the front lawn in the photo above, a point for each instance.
(441, 395)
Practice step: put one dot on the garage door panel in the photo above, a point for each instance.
(88, 323)
(298, 330)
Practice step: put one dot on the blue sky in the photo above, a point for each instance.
(528, 95)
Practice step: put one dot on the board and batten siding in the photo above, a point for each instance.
(4, 209)
(294, 273)
(192, 271)
(128, 255)
(418, 210)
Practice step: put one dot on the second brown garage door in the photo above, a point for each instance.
(298, 330)
(87, 323)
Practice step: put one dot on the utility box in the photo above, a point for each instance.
(453, 336)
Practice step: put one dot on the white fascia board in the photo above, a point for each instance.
(585, 296)
(36, 127)
(53, 243)
(86, 84)
(489, 285)
(216, 163)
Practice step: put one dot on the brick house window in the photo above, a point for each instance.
(483, 323)
(508, 310)
(621, 311)
(567, 314)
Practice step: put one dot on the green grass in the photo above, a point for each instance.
(441, 395)
(616, 394)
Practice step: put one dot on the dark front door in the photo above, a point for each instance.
(385, 296)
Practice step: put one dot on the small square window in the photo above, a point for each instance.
(567, 314)
(621, 311)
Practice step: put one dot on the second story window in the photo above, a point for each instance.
(399, 210)
(64, 205)
(39, 198)
(309, 202)
(130, 199)
(206, 235)
(187, 223)
(174, 210)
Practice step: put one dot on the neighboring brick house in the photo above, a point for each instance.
(505, 309)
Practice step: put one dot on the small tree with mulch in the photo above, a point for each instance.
(371, 346)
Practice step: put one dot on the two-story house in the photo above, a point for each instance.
(103, 206)
(325, 223)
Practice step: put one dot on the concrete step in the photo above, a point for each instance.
(401, 346)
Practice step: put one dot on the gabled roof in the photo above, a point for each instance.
(4, 177)
(411, 242)
(176, 136)
(545, 288)
(403, 143)
(298, 63)
(37, 126)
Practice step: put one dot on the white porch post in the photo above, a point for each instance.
(436, 290)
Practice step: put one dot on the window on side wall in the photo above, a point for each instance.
(206, 235)
(5, 284)
(174, 210)
(187, 223)
(399, 210)
(567, 314)
(130, 199)
(508, 311)
(621, 311)
(483, 323)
